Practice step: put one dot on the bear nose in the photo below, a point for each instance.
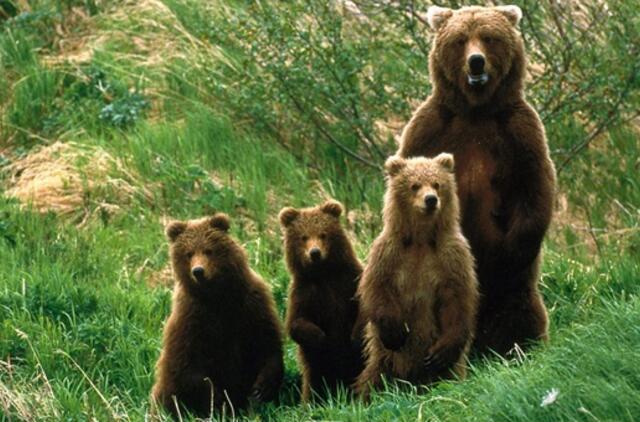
(476, 64)
(431, 201)
(315, 254)
(198, 272)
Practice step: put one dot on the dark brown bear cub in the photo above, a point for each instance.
(322, 311)
(222, 342)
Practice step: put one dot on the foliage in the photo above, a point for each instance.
(124, 111)
(327, 76)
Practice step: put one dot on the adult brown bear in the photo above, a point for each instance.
(506, 180)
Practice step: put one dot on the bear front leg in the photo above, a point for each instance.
(532, 202)
(307, 334)
(423, 128)
(455, 315)
(269, 379)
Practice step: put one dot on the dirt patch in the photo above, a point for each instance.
(73, 180)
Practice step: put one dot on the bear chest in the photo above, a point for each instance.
(417, 278)
(476, 151)
(482, 153)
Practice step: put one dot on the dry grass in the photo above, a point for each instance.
(73, 180)
(28, 405)
(24, 401)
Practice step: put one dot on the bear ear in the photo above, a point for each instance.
(175, 229)
(438, 16)
(394, 164)
(445, 160)
(513, 13)
(332, 207)
(287, 215)
(220, 221)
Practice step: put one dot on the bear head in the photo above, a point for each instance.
(477, 51)
(314, 236)
(202, 251)
(422, 187)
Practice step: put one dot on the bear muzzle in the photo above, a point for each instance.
(198, 273)
(315, 255)
(477, 75)
(430, 202)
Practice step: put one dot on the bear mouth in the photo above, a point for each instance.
(428, 212)
(478, 80)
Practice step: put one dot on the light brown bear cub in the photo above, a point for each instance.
(322, 309)
(222, 341)
(419, 292)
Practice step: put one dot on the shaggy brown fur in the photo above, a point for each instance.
(222, 341)
(418, 290)
(505, 177)
(322, 309)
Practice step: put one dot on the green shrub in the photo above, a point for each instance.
(324, 78)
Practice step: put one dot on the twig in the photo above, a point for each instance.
(576, 149)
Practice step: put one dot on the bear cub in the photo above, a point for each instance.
(222, 342)
(418, 292)
(322, 310)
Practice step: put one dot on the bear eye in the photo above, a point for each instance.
(436, 186)
(305, 238)
(461, 41)
(488, 40)
(189, 254)
(415, 187)
(323, 236)
(208, 251)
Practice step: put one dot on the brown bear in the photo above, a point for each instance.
(419, 291)
(506, 180)
(322, 309)
(222, 342)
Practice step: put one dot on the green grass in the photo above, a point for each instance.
(80, 324)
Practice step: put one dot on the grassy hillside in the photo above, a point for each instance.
(118, 115)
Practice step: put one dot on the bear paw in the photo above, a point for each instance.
(392, 333)
(441, 358)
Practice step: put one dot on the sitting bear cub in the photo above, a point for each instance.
(222, 341)
(322, 311)
(419, 292)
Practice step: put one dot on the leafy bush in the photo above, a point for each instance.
(124, 111)
(340, 78)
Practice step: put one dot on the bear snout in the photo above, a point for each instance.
(476, 63)
(198, 272)
(430, 202)
(315, 254)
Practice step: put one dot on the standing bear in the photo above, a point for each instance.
(222, 342)
(419, 291)
(506, 180)
(322, 310)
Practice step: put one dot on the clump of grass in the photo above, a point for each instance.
(73, 180)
